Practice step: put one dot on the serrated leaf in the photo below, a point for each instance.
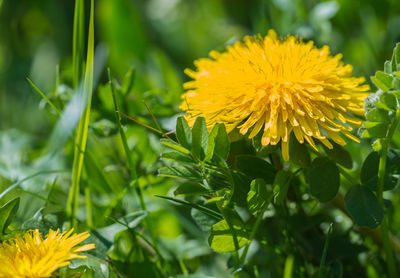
(199, 139)
(324, 179)
(221, 239)
(183, 132)
(340, 155)
(7, 214)
(255, 167)
(364, 206)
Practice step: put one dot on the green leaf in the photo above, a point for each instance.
(396, 58)
(396, 83)
(177, 156)
(340, 155)
(382, 80)
(374, 130)
(221, 239)
(396, 93)
(281, 186)
(190, 188)
(259, 196)
(364, 206)
(369, 171)
(78, 42)
(193, 276)
(179, 171)
(126, 247)
(7, 214)
(389, 100)
(127, 83)
(183, 133)
(199, 139)
(298, 153)
(324, 179)
(211, 143)
(204, 221)
(218, 142)
(82, 131)
(256, 167)
(241, 187)
(173, 145)
(377, 115)
(388, 67)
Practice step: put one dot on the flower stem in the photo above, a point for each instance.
(381, 182)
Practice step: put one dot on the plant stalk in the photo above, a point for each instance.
(252, 235)
(381, 182)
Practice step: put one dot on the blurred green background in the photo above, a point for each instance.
(36, 36)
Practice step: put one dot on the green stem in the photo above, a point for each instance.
(89, 210)
(324, 254)
(381, 182)
(252, 234)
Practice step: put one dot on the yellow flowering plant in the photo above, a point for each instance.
(33, 255)
(282, 90)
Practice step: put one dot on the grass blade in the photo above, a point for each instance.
(11, 187)
(44, 97)
(78, 41)
(82, 132)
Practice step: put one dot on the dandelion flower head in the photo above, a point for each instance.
(277, 87)
(30, 255)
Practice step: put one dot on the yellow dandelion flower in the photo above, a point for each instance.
(30, 255)
(276, 86)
